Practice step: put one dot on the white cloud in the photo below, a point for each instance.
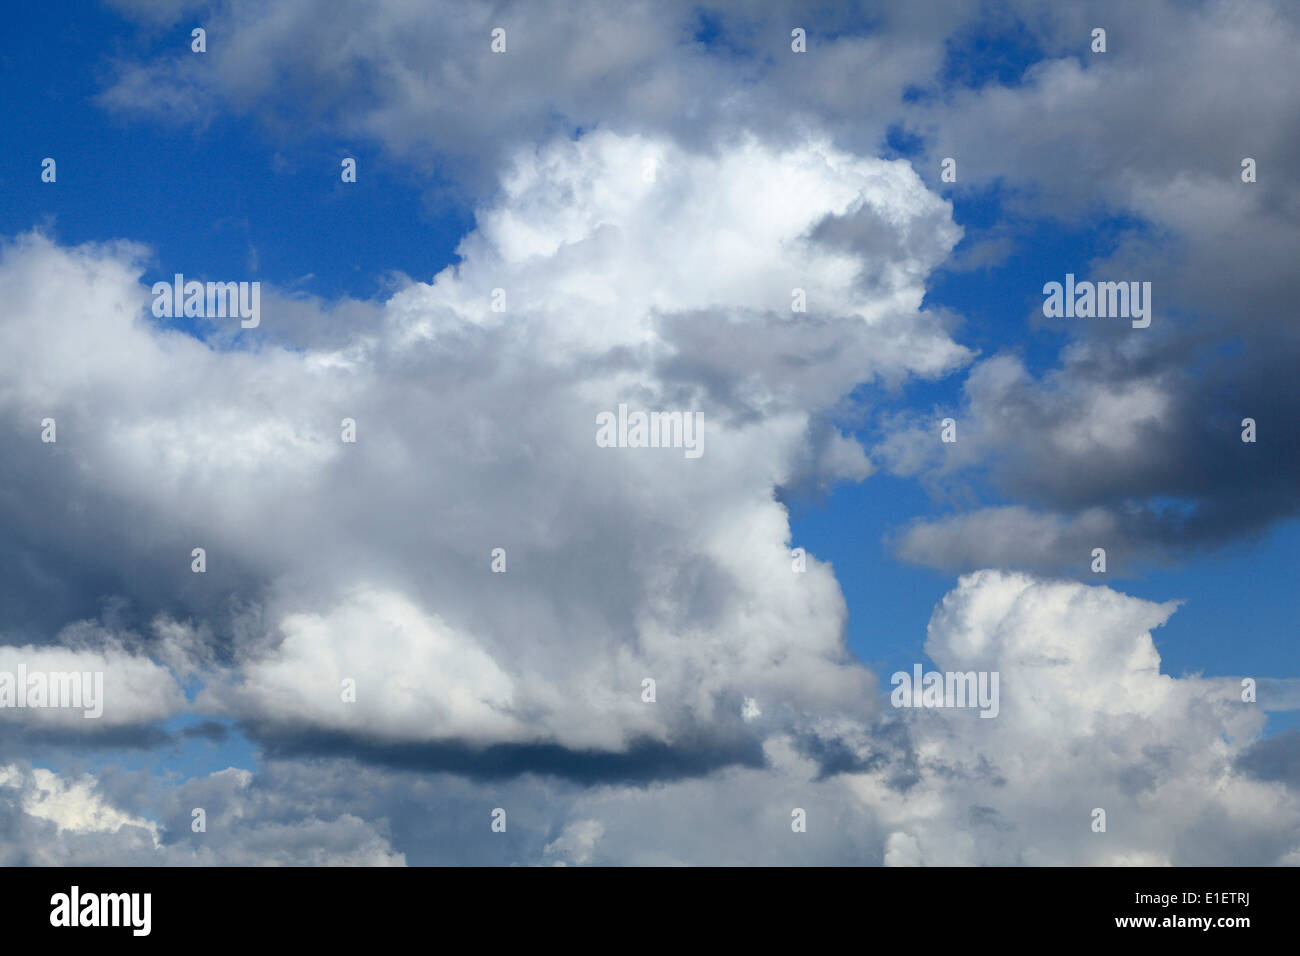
(476, 430)
(51, 819)
(1087, 720)
(71, 805)
(117, 689)
(414, 677)
(371, 561)
(576, 843)
(420, 78)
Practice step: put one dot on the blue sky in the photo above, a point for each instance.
(273, 208)
(241, 192)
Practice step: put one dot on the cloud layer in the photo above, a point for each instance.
(655, 194)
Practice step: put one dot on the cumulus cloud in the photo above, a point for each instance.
(422, 81)
(1138, 429)
(72, 806)
(1114, 150)
(49, 819)
(371, 562)
(109, 688)
(1087, 721)
(648, 251)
